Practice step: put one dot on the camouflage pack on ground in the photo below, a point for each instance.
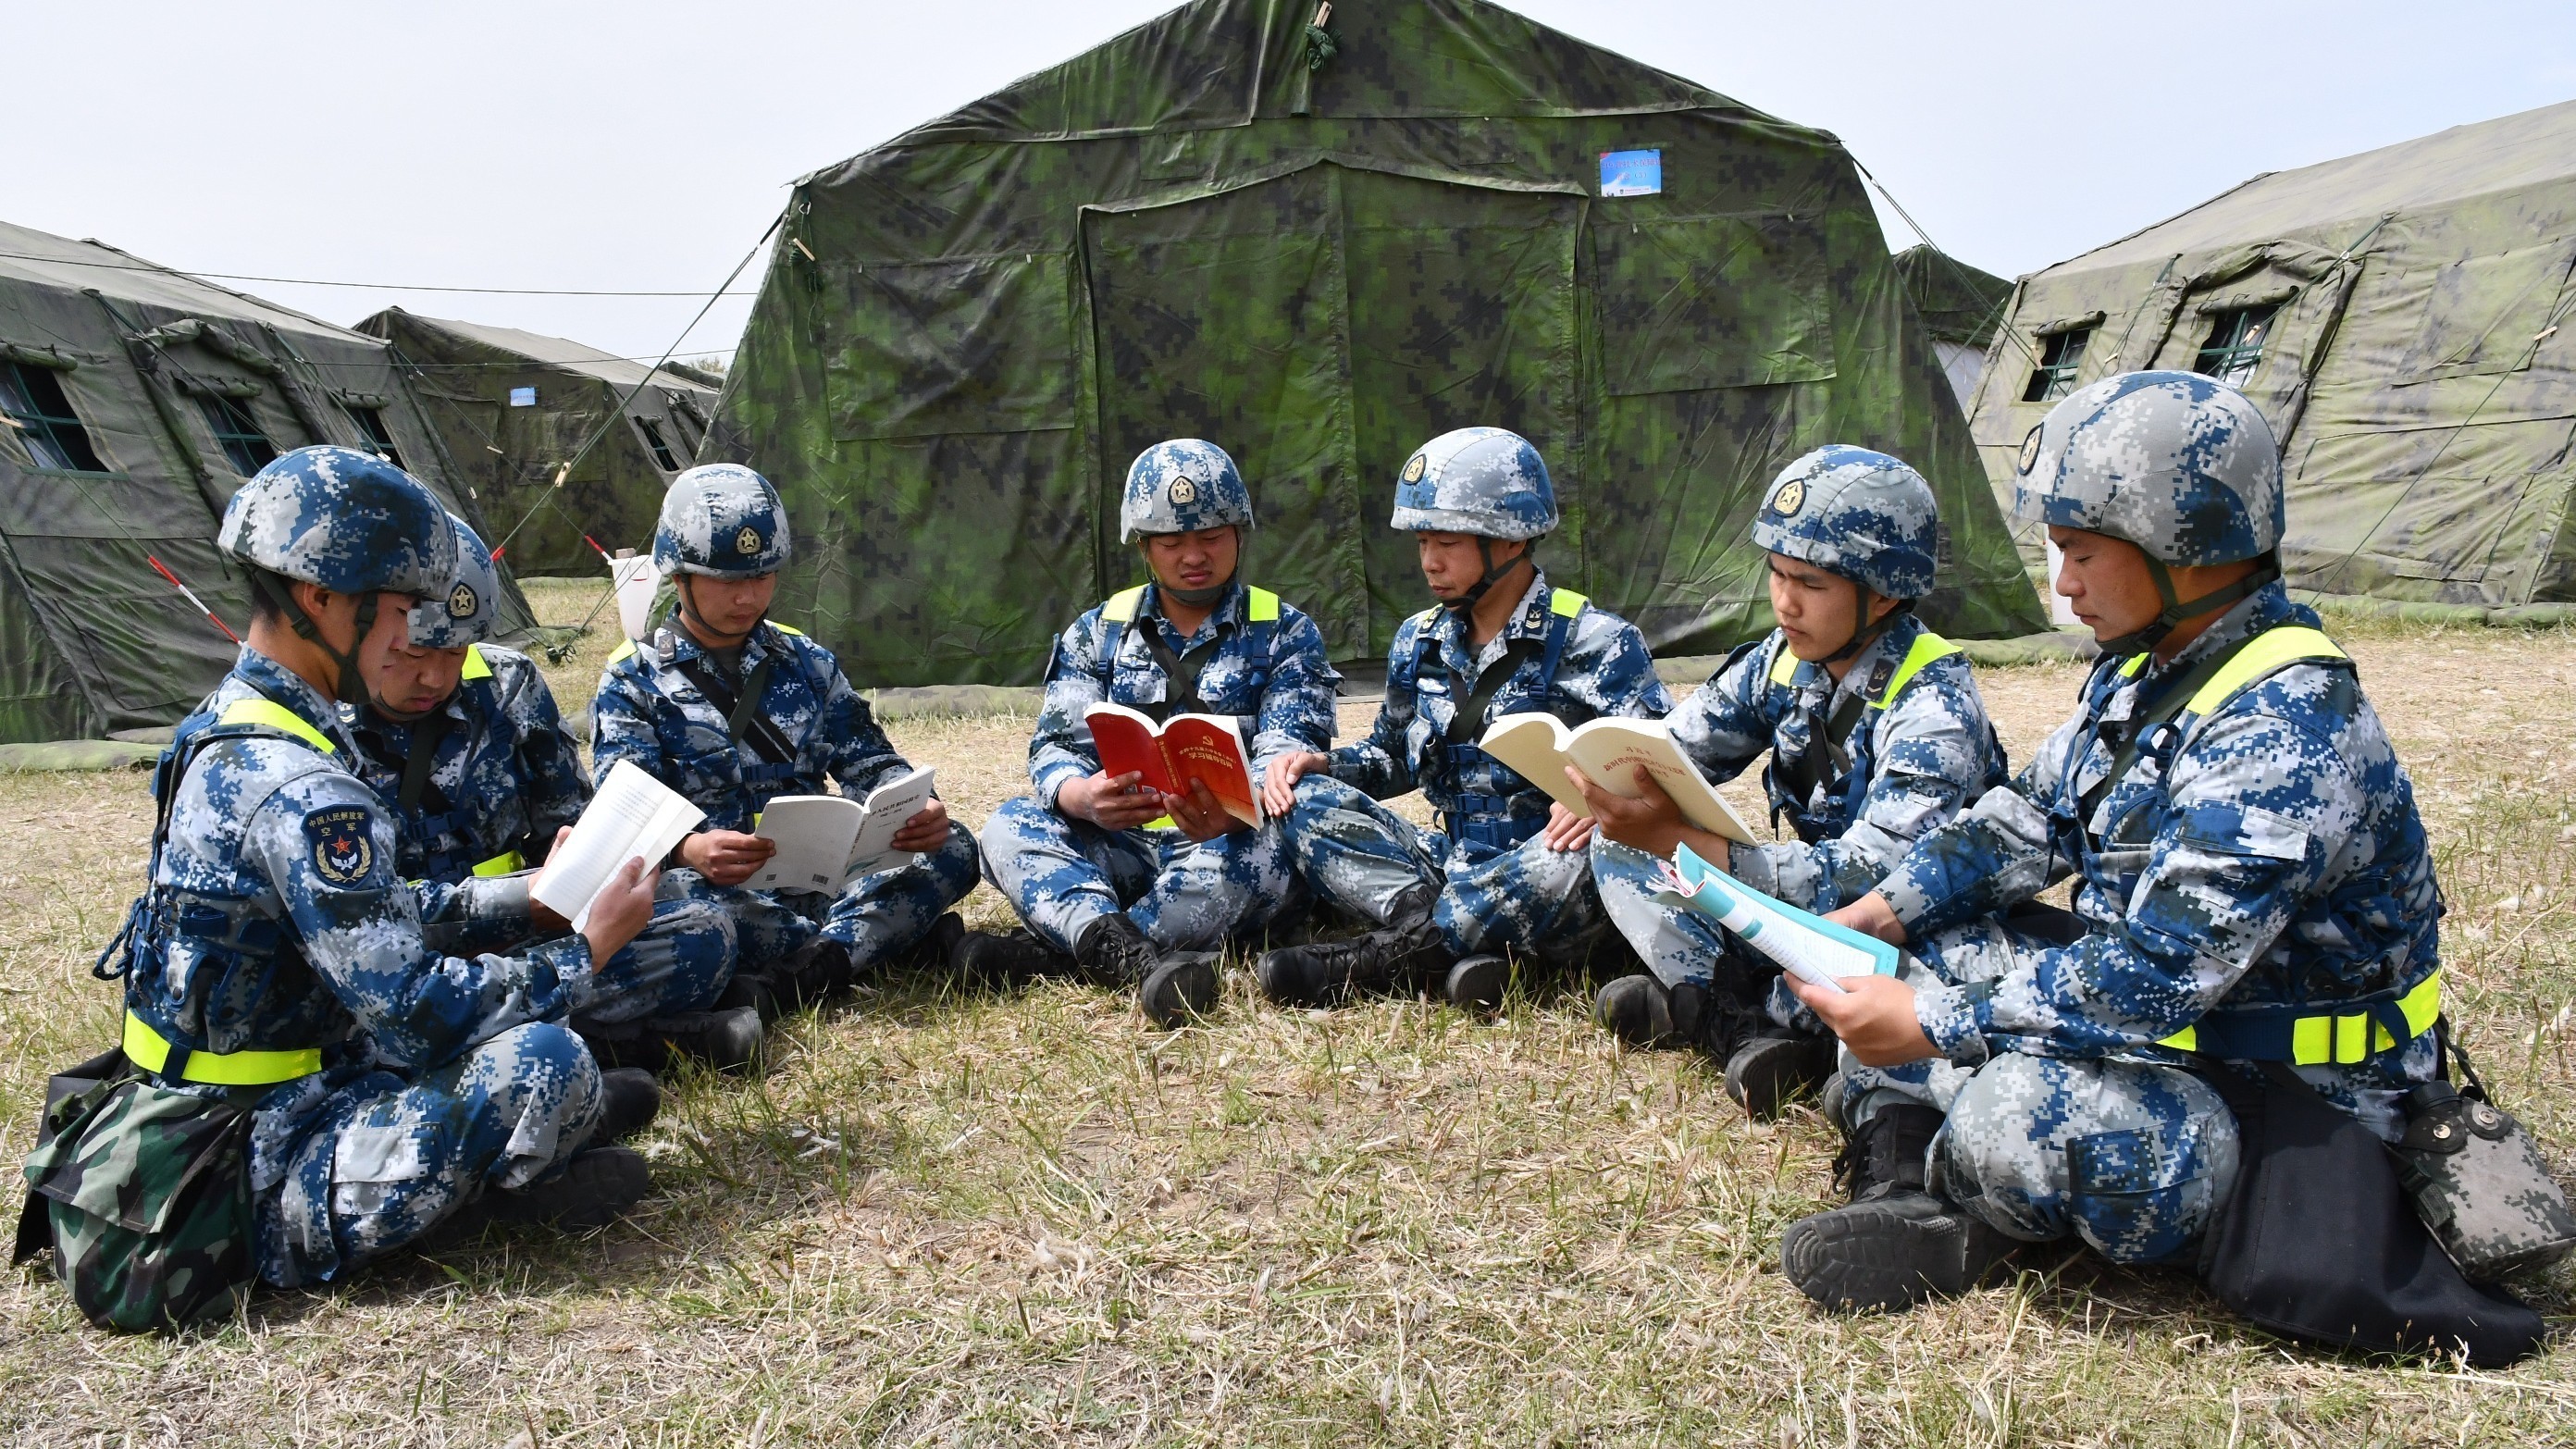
(149, 1196)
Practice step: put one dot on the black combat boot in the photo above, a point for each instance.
(1774, 1067)
(724, 1040)
(1325, 973)
(754, 989)
(1638, 1010)
(1896, 1243)
(820, 969)
(933, 951)
(1004, 959)
(629, 1100)
(594, 1189)
(1171, 988)
(1475, 984)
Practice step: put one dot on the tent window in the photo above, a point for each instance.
(2235, 345)
(662, 457)
(371, 421)
(2054, 378)
(33, 398)
(245, 446)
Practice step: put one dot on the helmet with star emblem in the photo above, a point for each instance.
(468, 610)
(722, 520)
(1180, 486)
(1488, 482)
(2181, 465)
(1858, 514)
(346, 520)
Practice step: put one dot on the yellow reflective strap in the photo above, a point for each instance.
(2347, 1037)
(149, 1050)
(2185, 1040)
(1566, 602)
(622, 651)
(2268, 651)
(786, 628)
(502, 864)
(277, 717)
(1265, 606)
(2130, 669)
(476, 666)
(1164, 823)
(1785, 667)
(2312, 1040)
(1121, 607)
(1927, 648)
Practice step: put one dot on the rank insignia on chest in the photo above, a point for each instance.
(747, 541)
(343, 845)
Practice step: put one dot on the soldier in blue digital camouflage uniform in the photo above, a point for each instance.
(460, 738)
(1506, 871)
(1876, 734)
(732, 709)
(1135, 886)
(276, 966)
(2254, 885)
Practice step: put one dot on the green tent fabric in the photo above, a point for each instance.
(1206, 228)
(133, 402)
(513, 407)
(2400, 316)
(1960, 307)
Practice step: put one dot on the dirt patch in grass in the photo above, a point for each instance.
(956, 1217)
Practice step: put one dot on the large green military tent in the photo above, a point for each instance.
(133, 402)
(514, 407)
(1960, 306)
(2401, 316)
(1319, 254)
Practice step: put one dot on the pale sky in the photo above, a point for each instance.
(647, 145)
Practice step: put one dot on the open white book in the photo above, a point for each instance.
(825, 841)
(1611, 753)
(633, 817)
(1806, 945)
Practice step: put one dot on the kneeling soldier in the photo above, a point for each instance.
(1506, 870)
(2255, 889)
(1876, 735)
(732, 709)
(305, 1085)
(1133, 885)
(461, 740)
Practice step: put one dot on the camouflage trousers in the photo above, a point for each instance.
(1683, 947)
(1185, 895)
(1358, 856)
(680, 962)
(2132, 1156)
(388, 1157)
(877, 916)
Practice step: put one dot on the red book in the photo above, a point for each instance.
(1207, 748)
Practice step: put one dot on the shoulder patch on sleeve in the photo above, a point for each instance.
(341, 840)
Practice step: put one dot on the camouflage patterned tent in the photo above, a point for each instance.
(2400, 316)
(133, 401)
(514, 406)
(1212, 226)
(1960, 307)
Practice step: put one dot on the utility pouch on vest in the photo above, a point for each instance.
(2319, 1242)
(146, 1196)
(2478, 1182)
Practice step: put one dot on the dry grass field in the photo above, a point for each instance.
(946, 1216)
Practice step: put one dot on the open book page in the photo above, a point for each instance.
(1806, 945)
(633, 817)
(889, 806)
(813, 834)
(1128, 741)
(1611, 753)
(1208, 749)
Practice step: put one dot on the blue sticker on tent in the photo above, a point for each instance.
(1632, 173)
(526, 397)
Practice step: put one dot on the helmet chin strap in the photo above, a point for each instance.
(350, 687)
(1493, 574)
(1861, 635)
(2267, 569)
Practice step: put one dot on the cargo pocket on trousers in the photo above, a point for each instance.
(2134, 1199)
(374, 1166)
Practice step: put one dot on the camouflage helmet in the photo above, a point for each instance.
(1482, 481)
(722, 520)
(348, 521)
(1862, 515)
(468, 610)
(2178, 464)
(1180, 486)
